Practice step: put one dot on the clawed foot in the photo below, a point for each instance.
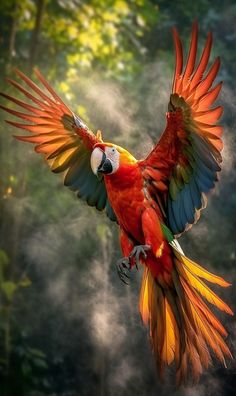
(137, 251)
(123, 268)
(123, 265)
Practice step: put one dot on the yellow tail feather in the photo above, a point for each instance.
(182, 327)
(196, 269)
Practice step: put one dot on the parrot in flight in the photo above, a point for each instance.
(153, 200)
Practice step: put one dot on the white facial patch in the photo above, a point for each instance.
(114, 156)
(96, 159)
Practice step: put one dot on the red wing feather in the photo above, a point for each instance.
(188, 153)
(61, 136)
(191, 56)
(178, 60)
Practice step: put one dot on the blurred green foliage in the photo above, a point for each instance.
(18, 360)
(111, 60)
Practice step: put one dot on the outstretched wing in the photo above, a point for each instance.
(62, 137)
(182, 168)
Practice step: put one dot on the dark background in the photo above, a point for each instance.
(68, 326)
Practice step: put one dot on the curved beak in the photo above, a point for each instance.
(100, 163)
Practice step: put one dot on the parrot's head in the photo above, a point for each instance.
(108, 158)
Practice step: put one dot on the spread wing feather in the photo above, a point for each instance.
(187, 157)
(61, 136)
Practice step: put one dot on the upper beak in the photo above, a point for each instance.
(102, 166)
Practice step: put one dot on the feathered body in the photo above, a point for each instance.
(122, 187)
(153, 200)
(181, 324)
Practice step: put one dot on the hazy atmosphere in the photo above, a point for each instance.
(68, 325)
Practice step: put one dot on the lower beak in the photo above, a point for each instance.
(100, 168)
(105, 166)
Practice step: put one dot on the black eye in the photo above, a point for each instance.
(113, 150)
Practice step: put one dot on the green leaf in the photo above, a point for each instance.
(4, 259)
(9, 289)
(102, 231)
(25, 282)
(37, 352)
(40, 363)
(2, 361)
(26, 368)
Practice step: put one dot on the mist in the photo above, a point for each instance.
(91, 308)
(77, 310)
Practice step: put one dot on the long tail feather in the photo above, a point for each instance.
(182, 327)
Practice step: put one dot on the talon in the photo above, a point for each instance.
(122, 266)
(137, 251)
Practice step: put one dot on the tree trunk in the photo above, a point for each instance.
(12, 33)
(35, 34)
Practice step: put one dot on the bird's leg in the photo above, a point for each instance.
(124, 264)
(123, 267)
(131, 255)
(136, 252)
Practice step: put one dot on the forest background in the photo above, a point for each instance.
(68, 326)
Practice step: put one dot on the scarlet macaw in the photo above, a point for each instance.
(153, 200)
